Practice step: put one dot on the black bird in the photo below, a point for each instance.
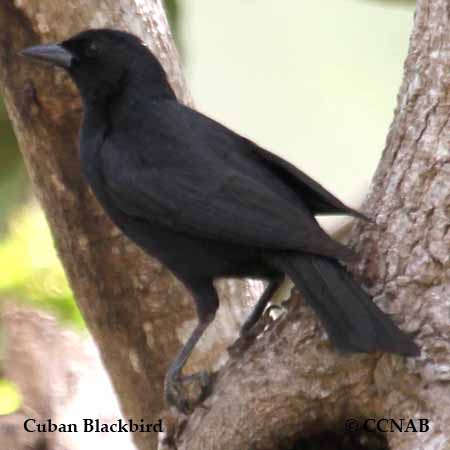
(205, 201)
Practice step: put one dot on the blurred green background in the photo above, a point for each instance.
(315, 82)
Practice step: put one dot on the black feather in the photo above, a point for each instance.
(351, 319)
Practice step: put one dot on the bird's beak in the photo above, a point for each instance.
(52, 53)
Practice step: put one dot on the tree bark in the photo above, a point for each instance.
(291, 383)
(130, 303)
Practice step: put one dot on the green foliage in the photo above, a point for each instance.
(10, 398)
(31, 272)
(13, 180)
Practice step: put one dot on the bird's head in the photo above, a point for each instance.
(101, 61)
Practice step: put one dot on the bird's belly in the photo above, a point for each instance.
(185, 256)
(189, 257)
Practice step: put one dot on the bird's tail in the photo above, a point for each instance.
(351, 318)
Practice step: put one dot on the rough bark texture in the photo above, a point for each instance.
(290, 383)
(137, 312)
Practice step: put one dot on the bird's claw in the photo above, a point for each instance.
(187, 392)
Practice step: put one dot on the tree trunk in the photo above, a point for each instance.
(291, 383)
(131, 304)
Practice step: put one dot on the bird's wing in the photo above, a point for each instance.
(183, 176)
(319, 200)
(244, 151)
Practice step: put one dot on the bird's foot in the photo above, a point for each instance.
(187, 392)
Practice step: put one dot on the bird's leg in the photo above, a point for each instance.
(265, 298)
(174, 378)
(207, 304)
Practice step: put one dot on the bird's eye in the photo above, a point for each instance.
(92, 50)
